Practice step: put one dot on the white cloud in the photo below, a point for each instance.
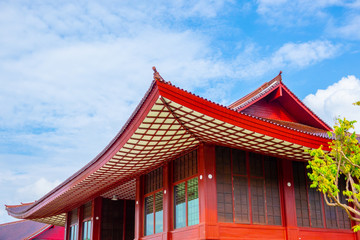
(290, 55)
(349, 29)
(38, 188)
(336, 100)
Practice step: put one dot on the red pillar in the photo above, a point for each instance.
(167, 200)
(96, 218)
(207, 192)
(138, 209)
(67, 226)
(292, 230)
(80, 219)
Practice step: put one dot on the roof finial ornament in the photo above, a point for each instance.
(157, 75)
(280, 75)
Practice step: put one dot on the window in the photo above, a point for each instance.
(311, 210)
(73, 231)
(186, 192)
(86, 225)
(86, 230)
(247, 187)
(153, 202)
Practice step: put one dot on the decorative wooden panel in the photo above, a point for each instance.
(87, 210)
(224, 185)
(154, 180)
(301, 199)
(237, 184)
(74, 216)
(256, 165)
(239, 162)
(241, 200)
(309, 200)
(316, 210)
(258, 200)
(185, 166)
(273, 205)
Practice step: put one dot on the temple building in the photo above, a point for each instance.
(183, 167)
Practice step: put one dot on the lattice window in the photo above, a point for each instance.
(73, 230)
(247, 187)
(86, 224)
(311, 210)
(186, 191)
(153, 217)
(185, 166)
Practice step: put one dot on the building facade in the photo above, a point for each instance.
(183, 167)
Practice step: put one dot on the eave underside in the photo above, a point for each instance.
(168, 130)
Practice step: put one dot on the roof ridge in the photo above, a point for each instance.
(249, 115)
(242, 102)
(14, 222)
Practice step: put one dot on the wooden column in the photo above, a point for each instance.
(292, 230)
(167, 202)
(80, 219)
(207, 192)
(96, 218)
(67, 226)
(138, 209)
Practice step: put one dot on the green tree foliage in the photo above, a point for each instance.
(342, 161)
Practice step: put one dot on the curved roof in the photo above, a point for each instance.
(29, 230)
(167, 122)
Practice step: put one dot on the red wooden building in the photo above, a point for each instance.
(184, 167)
(30, 230)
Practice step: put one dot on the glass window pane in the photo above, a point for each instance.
(193, 201)
(158, 212)
(180, 205)
(149, 215)
(85, 225)
(75, 232)
(70, 233)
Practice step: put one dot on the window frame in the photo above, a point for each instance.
(153, 194)
(88, 221)
(249, 177)
(324, 207)
(74, 231)
(185, 180)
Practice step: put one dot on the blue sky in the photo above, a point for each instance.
(71, 72)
